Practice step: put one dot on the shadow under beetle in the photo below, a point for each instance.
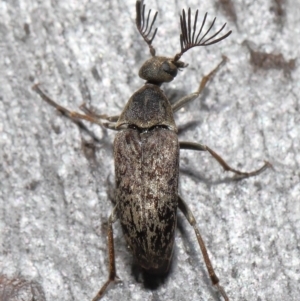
(146, 154)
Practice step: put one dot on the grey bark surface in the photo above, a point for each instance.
(55, 180)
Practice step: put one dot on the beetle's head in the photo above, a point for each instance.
(160, 69)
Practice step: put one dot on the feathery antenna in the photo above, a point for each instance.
(142, 25)
(187, 38)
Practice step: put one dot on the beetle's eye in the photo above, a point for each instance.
(168, 69)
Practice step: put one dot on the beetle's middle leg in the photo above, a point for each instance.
(186, 99)
(90, 112)
(191, 219)
(71, 114)
(221, 161)
(112, 277)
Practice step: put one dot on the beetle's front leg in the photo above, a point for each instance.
(112, 277)
(191, 219)
(71, 114)
(221, 161)
(186, 99)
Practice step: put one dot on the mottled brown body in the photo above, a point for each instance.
(146, 171)
(148, 107)
(146, 152)
(146, 166)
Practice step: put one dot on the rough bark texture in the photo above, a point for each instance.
(55, 179)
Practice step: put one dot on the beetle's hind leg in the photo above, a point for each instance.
(71, 114)
(221, 161)
(188, 98)
(191, 219)
(112, 277)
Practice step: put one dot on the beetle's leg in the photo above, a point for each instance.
(191, 219)
(71, 114)
(239, 174)
(112, 277)
(89, 112)
(186, 99)
(113, 118)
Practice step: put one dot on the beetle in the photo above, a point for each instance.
(146, 154)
